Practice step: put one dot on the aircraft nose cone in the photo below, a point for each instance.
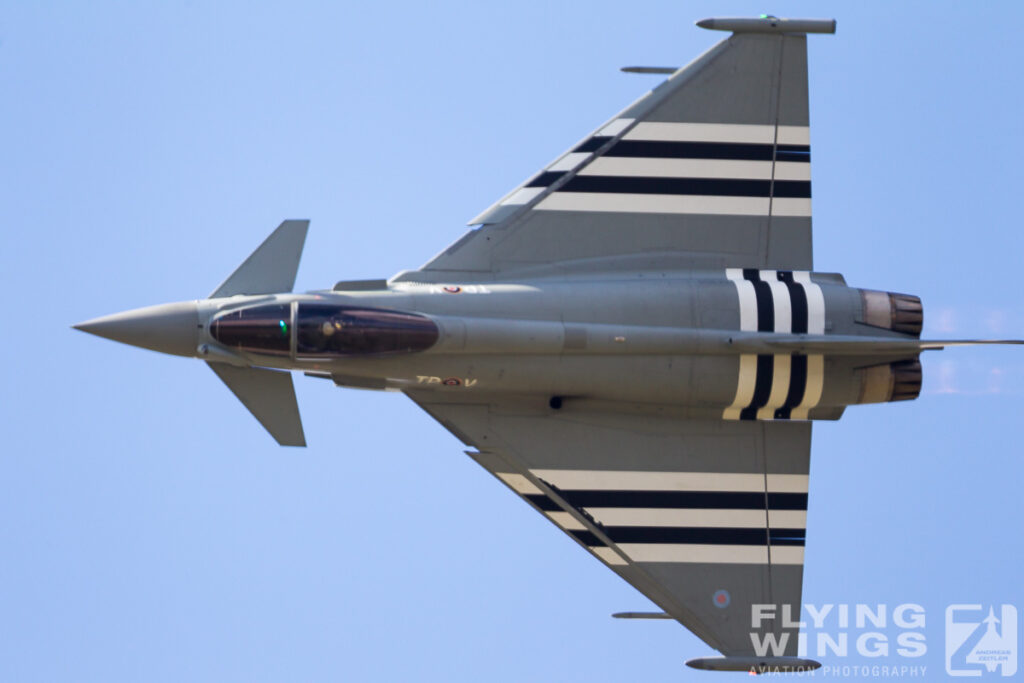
(167, 328)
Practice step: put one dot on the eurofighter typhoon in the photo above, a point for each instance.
(634, 341)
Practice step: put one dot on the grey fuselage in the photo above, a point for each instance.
(673, 339)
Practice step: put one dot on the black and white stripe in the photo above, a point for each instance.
(703, 517)
(671, 167)
(687, 186)
(563, 519)
(777, 386)
(710, 150)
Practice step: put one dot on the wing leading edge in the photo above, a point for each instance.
(705, 518)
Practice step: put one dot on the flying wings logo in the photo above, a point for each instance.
(981, 641)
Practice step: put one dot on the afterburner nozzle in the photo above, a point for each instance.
(167, 328)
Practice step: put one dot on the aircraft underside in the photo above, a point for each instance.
(634, 341)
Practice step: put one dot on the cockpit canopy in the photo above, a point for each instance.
(331, 330)
(318, 330)
(260, 329)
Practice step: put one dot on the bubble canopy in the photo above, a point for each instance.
(259, 329)
(323, 330)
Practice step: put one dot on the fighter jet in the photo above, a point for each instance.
(634, 341)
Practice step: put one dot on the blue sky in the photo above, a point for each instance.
(150, 530)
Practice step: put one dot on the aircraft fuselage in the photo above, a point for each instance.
(681, 340)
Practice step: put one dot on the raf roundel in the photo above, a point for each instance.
(721, 599)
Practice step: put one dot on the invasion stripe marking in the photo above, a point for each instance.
(780, 387)
(719, 132)
(765, 305)
(695, 168)
(708, 150)
(784, 386)
(793, 135)
(615, 127)
(745, 387)
(797, 301)
(545, 178)
(815, 363)
(519, 483)
(711, 536)
(565, 520)
(790, 170)
(780, 538)
(592, 144)
(789, 206)
(746, 383)
(635, 480)
(815, 386)
(608, 555)
(573, 159)
(797, 386)
(655, 203)
(780, 301)
(815, 302)
(753, 387)
(748, 299)
(588, 538)
(762, 386)
(712, 554)
(661, 517)
(684, 499)
(795, 189)
(543, 502)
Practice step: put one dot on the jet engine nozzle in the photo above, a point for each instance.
(167, 328)
(899, 381)
(897, 312)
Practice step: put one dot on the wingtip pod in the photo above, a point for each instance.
(755, 665)
(768, 24)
